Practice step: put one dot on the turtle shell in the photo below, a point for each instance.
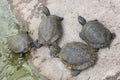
(95, 34)
(78, 56)
(19, 43)
(50, 29)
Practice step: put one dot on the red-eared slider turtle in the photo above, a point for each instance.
(76, 56)
(95, 34)
(50, 29)
(21, 42)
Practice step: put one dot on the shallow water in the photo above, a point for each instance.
(11, 68)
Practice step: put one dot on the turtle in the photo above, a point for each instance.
(21, 42)
(77, 56)
(50, 29)
(95, 34)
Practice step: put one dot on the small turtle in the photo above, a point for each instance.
(50, 29)
(76, 56)
(21, 42)
(95, 34)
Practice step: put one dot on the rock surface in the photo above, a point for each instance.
(106, 11)
(113, 74)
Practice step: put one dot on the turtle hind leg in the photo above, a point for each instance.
(97, 49)
(20, 55)
(113, 35)
(75, 72)
(61, 18)
(36, 44)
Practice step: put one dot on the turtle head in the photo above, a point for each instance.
(46, 11)
(81, 20)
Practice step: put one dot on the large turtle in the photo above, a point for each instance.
(50, 29)
(76, 56)
(95, 34)
(21, 42)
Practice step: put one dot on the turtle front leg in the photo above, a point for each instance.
(75, 72)
(54, 49)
